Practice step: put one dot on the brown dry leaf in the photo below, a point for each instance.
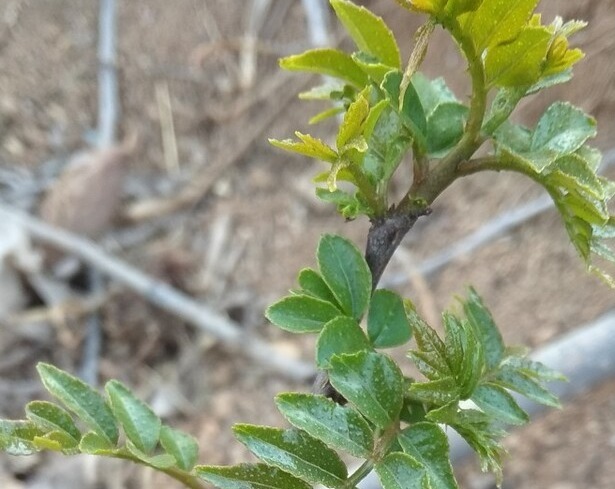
(87, 195)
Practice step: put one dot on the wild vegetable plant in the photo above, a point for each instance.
(390, 421)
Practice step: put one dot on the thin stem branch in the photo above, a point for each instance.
(358, 475)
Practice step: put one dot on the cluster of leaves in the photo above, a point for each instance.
(390, 110)
(90, 423)
(391, 421)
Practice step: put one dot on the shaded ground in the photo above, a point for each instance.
(262, 211)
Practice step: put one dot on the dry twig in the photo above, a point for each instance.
(163, 295)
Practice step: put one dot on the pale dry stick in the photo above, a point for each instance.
(201, 184)
(75, 307)
(108, 87)
(162, 295)
(167, 128)
(491, 230)
(317, 21)
(255, 17)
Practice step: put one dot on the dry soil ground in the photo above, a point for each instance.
(261, 213)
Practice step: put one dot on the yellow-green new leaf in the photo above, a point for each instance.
(369, 32)
(519, 62)
(327, 61)
(352, 124)
(497, 21)
(307, 146)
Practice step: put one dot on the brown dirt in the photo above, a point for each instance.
(531, 278)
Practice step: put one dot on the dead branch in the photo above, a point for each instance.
(163, 295)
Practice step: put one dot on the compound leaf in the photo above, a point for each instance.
(481, 320)
(372, 382)
(140, 423)
(249, 476)
(401, 471)
(183, 447)
(340, 427)
(17, 437)
(340, 335)
(295, 452)
(345, 271)
(301, 313)
(369, 32)
(51, 417)
(520, 62)
(497, 22)
(495, 400)
(427, 444)
(387, 323)
(327, 61)
(81, 399)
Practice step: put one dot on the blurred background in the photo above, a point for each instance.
(180, 183)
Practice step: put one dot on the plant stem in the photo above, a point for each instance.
(358, 475)
(186, 478)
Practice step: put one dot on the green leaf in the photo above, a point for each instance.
(307, 146)
(301, 313)
(17, 437)
(445, 127)
(161, 461)
(520, 62)
(183, 447)
(368, 31)
(387, 324)
(140, 423)
(340, 335)
(326, 61)
(436, 392)
(349, 206)
(401, 471)
(50, 417)
(372, 382)
(81, 399)
(534, 369)
(370, 65)
(345, 271)
(249, 476)
(429, 343)
(326, 114)
(497, 22)
(294, 451)
(525, 385)
(427, 444)
(94, 444)
(478, 430)
(573, 172)
(432, 93)
(312, 283)
(340, 427)
(387, 146)
(481, 320)
(352, 124)
(410, 110)
(563, 129)
(550, 81)
(465, 355)
(496, 401)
